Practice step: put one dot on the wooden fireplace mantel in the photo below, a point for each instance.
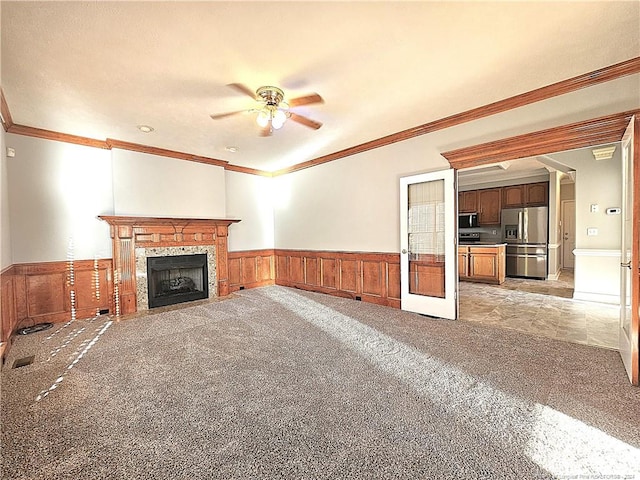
(129, 232)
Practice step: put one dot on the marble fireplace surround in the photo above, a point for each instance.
(135, 238)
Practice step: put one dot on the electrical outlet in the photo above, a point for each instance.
(592, 232)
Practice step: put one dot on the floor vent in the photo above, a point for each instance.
(23, 362)
(359, 299)
(242, 287)
(104, 311)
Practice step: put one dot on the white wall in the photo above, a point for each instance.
(597, 258)
(350, 204)
(5, 235)
(597, 182)
(150, 185)
(56, 191)
(249, 198)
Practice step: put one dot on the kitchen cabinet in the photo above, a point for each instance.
(513, 196)
(484, 264)
(468, 201)
(489, 206)
(526, 195)
(463, 262)
(536, 194)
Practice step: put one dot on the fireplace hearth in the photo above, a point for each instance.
(177, 279)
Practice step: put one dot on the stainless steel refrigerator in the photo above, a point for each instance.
(525, 231)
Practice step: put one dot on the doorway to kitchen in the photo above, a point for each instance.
(544, 304)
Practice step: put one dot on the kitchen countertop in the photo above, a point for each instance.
(481, 244)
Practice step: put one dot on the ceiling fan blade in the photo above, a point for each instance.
(228, 114)
(307, 122)
(243, 89)
(306, 100)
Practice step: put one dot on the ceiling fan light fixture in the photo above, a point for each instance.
(278, 119)
(263, 117)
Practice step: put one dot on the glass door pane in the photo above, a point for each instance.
(426, 239)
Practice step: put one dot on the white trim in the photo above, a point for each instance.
(597, 297)
(554, 276)
(593, 252)
(554, 246)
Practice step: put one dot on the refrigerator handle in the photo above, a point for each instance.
(520, 225)
(525, 222)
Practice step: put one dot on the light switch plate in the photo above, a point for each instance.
(594, 208)
(592, 232)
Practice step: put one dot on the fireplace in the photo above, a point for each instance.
(137, 238)
(177, 279)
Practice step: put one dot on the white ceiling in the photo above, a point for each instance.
(98, 69)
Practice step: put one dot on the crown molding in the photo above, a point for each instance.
(588, 133)
(603, 75)
(57, 136)
(163, 152)
(250, 171)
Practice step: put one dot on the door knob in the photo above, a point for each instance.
(404, 250)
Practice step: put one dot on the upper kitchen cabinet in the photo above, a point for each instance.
(468, 201)
(525, 195)
(536, 194)
(513, 196)
(489, 206)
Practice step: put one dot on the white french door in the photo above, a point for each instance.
(630, 252)
(428, 244)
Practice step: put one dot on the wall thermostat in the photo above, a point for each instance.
(613, 211)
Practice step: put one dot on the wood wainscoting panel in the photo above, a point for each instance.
(312, 270)
(43, 291)
(328, 272)
(393, 280)
(371, 277)
(8, 312)
(265, 267)
(282, 268)
(296, 269)
(46, 294)
(251, 269)
(349, 275)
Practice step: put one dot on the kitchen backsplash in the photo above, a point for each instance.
(487, 234)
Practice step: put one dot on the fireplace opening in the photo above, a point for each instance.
(177, 279)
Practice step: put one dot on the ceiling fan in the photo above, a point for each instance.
(273, 110)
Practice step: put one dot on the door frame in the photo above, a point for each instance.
(588, 133)
(562, 204)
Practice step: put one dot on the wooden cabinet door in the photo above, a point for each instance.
(490, 204)
(463, 262)
(513, 196)
(483, 265)
(536, 194)
(468, 201)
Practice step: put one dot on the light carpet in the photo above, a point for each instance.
(281, 383)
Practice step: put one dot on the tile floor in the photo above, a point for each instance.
(541, 307)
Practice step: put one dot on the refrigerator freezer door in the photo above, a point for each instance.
(536, 220)
(512, 225)
(527, 261)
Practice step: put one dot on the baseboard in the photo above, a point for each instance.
(597, 297)
(554, 276)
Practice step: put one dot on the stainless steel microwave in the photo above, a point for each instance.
(467, 220)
